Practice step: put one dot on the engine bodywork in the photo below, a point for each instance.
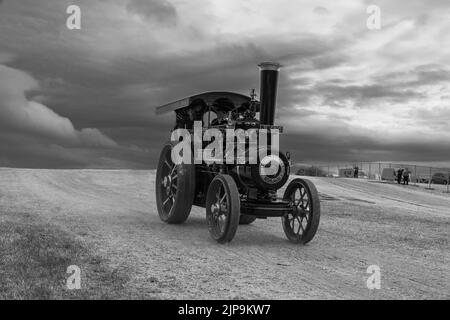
(224, 156)
(224, 111)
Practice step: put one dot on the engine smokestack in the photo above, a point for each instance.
(268, 92)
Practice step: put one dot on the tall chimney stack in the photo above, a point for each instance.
(268, 92)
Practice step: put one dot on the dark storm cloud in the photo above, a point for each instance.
(135, 88)
(124, 94)
(363, 95)
(390, 87)
(428, 74)
(133, 55)
(21, 151)
(337, 94)
(161, 11)
(325, 147)
(438, 117)
(19, 114)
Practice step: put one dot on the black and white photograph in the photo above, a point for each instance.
(224, 155)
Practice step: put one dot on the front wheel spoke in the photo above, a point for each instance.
(304, 205)
(303, 212)
(303, 193)
(305, 225)
(299, 225)
(307, 204)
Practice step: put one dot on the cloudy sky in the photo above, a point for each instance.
(86, 98)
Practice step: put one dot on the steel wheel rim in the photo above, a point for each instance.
(298, 220)
(168, 184)
(219, 209)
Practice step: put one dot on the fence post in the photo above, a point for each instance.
(370, 171)
(448, 183)
(429, 186)
(379, 170)
(415, 175)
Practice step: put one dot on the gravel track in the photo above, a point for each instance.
(404, 230)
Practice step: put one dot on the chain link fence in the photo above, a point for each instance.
(428, 177)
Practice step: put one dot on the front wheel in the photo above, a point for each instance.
(222, 208)
(301, 224)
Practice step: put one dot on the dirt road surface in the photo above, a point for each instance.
(404, 230)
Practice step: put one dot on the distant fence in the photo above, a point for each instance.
(381, 171)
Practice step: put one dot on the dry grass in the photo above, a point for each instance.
(34, 257)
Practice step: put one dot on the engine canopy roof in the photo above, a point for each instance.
(207, 97)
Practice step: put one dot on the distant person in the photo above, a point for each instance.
(399, 175)
(356, 172)
(406, 176)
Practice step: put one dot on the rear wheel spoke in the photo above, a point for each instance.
(168, 164)
(218, 193)
(167, 200)
(224, 197)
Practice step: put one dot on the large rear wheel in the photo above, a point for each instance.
(175, 188)
(300, 225)
(222, 208)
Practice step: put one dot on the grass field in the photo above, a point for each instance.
(34, 259)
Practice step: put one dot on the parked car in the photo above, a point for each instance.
(362, 174)
(440, 178)
(346, 173)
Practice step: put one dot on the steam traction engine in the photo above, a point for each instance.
(237, 193)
